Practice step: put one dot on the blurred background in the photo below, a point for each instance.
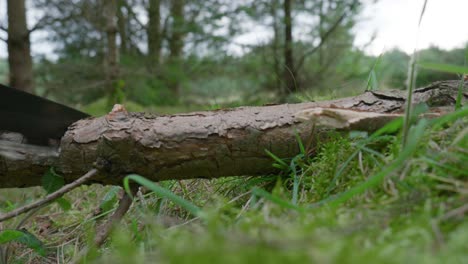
(171, 56)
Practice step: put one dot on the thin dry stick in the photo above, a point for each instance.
(455, 212)
(104, 231)
(50, 197)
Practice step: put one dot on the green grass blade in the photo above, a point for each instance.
(280, 162)
(423, 10)
(374, 85)
(339, 172)
(275, 199)
(411, 83)
(390, 128)
(299, 142)
(460, 93)
(460, 86)
(165, 193)
(295, 193)
(373, 152)
(412, 145)
(443, 166)
(451, 117)
(372, 79)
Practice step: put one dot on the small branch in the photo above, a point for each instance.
(324, 38)
(460, 211)
(50, 197)
(2, 28)
(39, 25)
(103, 231)
(133, 15)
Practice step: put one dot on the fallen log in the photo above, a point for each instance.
(210, 144)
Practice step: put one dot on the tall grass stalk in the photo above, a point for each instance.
(458, 104)
(411, 80)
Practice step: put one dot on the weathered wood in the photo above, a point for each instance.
(207, 144)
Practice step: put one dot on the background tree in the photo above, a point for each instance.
(19, 51)
(193, 53)
(112, 68)
(154, 33)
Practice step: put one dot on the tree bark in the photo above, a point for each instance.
(19, 51)
(209, 144)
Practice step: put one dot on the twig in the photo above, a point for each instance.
(325, 36)
(50, 197)
(455, 212)
(104, 230)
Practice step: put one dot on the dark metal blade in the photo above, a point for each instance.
(37, 118)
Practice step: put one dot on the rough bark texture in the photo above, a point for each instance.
(207, 144)
(19, 51)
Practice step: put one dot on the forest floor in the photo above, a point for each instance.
(360, 198)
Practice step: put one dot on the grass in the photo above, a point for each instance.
(407, 213)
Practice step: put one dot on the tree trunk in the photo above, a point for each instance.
(112, 70)
(176, 44)
(154, 33)
(19, 52)
(276, 44)
(209, 144)
(289, 72)
(122, 22)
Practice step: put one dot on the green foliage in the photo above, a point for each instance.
(444, 67)
(51, 182)
(23, 237)
(386, 206)
(414, 137)
(110, 199)
(31, 241)
(347, 199)
(9, 235)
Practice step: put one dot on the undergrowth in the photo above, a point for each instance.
(356, 199)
